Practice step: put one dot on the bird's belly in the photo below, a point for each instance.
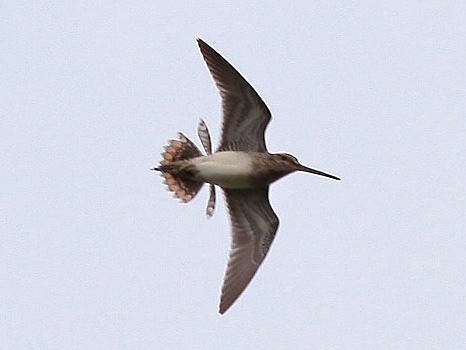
(225, 169)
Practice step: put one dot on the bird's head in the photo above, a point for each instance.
(292, 164)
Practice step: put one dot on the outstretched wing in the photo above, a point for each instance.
(254, 225)
(245, 115)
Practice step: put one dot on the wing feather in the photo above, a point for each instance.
(254, 225)
(245, 115)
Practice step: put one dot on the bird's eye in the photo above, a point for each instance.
(289, 157)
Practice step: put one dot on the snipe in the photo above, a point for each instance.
(241, 166)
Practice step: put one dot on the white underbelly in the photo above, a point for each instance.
(225, 169)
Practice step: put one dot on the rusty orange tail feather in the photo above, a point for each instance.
(171, 167)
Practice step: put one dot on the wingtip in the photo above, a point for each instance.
(226, 304)
(204, 47)
(222, 309)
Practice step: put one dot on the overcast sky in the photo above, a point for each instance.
(96, 254)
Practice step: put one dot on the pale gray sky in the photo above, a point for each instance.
(94, 252)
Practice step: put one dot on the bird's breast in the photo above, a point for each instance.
(225, 169)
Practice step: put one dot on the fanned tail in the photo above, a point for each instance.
(172, 166)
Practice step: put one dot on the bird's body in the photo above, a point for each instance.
(236, 169)
(241, 166)
(225, 169)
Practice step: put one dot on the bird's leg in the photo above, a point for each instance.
(204, 136)
(211, 203)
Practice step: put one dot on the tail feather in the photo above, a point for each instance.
(176, 151)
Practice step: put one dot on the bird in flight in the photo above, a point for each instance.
(241, 166)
